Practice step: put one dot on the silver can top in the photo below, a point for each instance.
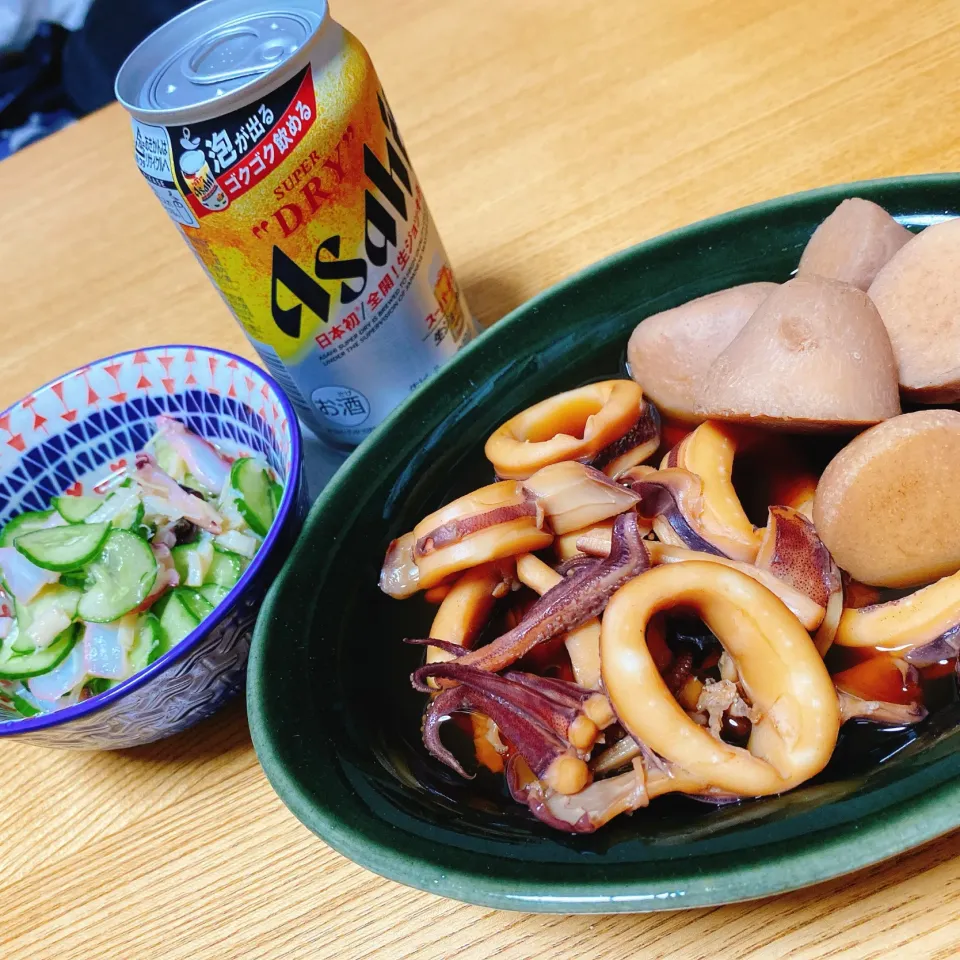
(205, 60)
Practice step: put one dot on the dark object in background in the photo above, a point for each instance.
(92, 56)
(30, 78)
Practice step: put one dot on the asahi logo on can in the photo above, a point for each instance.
(306, 213)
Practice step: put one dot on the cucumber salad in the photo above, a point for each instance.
(97, 587)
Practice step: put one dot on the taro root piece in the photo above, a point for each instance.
(576, 425)
(572, 602)
(853, 243)
(573, 495)
(918, 296)
(493, 522)
(670, 352)
(886, 506)
(815, 356)
(924, 626)
(673, 500)
(709, 453)
(796, 709)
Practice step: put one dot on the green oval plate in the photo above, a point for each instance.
(336, 725)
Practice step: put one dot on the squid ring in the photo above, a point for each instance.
(780, 669)
(575, 425)
(709, 453)
(930, 616)
(491, 523)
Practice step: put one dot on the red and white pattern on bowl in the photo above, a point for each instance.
(153, 372)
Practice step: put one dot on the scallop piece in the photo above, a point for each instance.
(918, 296)
(814, 356)
(853, 243)
(886, 507)
(670, 352)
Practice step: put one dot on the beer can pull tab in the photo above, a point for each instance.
(256, 46)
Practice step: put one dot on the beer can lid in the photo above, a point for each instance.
(207, 59)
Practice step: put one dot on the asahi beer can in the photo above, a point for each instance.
(263, 130)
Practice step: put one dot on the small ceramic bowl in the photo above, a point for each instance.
(67, 434)
(336, 724)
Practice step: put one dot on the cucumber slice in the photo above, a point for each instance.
(22, 705)
(120, 578)
(15, 666)
(76, 509)
(99, 685)
(192, 561)
(149, 643)
(198, 604)
(178, 619)
(255, 502)
(40, 622)
(123, 508)
(213, 593)
(75, 579)
(276, 495)
(226, 569)
(63, 548)
(24, 523)
(181, 559)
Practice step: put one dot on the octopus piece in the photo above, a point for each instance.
(570, 603)
(780, 670)
(576, 425)
(171, 500)
(203, 459)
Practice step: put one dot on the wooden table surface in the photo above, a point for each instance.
(546, 135)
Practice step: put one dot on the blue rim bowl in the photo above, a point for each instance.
(65, 434)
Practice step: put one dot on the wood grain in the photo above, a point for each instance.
(546, 135)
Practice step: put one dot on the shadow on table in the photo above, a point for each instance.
(490, 297)
(224, 734)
